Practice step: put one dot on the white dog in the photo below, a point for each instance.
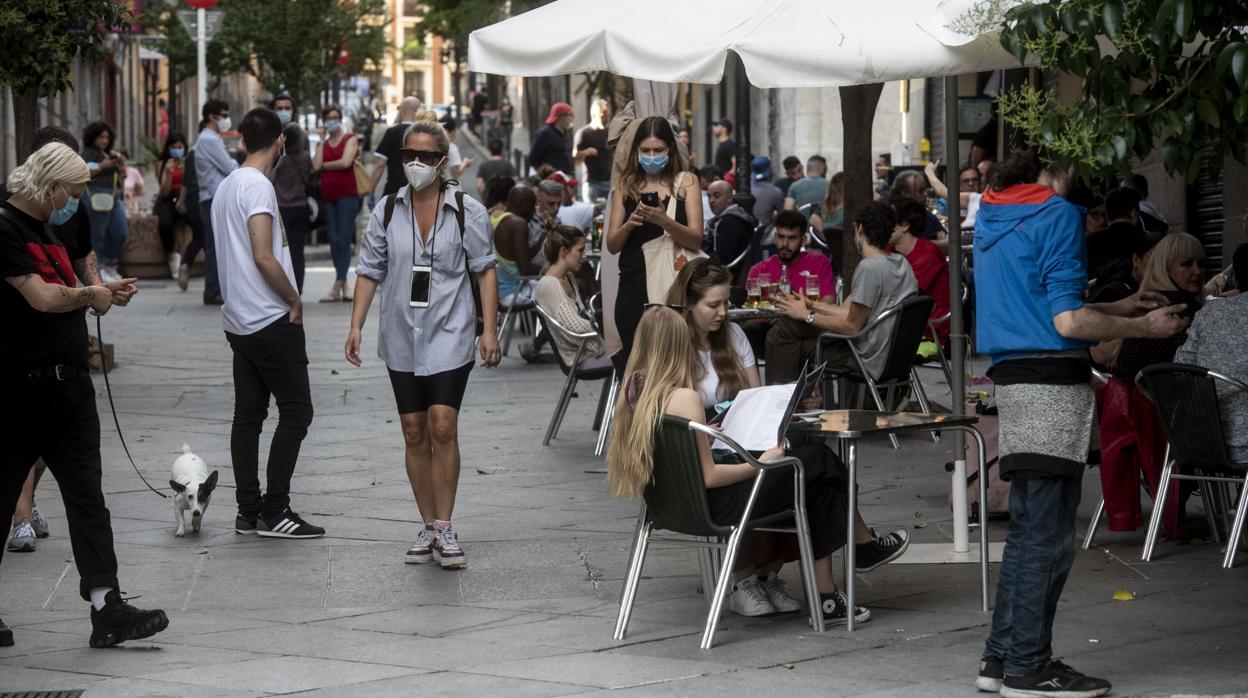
(192, 486)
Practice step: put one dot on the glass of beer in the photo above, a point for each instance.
(812, 287)
(751, 293)
(764, 290)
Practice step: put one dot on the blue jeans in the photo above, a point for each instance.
(598, 190)
(1039, 550)
(108, 230)
(341, 219)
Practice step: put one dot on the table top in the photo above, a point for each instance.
(855, 423)
(742, 314)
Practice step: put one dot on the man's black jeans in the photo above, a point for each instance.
(272, 361)
(57, 420)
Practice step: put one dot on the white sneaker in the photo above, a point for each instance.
(777, 593)
(174, 263)
(749, 599)
(108, 273)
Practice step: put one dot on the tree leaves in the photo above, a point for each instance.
(1179, 72)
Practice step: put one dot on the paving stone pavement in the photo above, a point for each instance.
(533, 613)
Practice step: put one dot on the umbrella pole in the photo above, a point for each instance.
(957, 333)
(743, 197)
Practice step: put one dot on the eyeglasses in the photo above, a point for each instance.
(671, 306)
(969, 180)
(428, 157)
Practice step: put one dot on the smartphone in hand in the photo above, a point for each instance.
(650, 198)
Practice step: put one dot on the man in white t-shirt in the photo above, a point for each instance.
(577, 214)
(263, 319)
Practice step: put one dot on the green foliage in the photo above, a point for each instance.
(159, 19)
(1168, 70)
(296, 44)
(454, 20)
(42, 37)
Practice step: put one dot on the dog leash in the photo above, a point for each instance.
(108, 388)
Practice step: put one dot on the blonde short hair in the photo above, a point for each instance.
(1171, 247)
(54, 162)
(434, 129)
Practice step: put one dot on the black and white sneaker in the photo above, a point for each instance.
(834, 608)
(287, 525)
(991, 674)
(1055, 680)
(880, 550)
(6, 635)
(118, 622)
(244, 526)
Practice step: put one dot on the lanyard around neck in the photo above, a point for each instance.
(433, 234)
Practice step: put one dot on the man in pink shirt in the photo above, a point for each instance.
(798, 265)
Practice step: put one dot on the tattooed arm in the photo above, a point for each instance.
(54, 298)
(88, 270)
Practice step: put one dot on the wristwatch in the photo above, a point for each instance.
(810, 317)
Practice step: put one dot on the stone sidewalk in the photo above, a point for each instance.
(547, 546)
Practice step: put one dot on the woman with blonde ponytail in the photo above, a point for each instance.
(660, 379)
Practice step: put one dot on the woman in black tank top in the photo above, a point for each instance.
(652, 175)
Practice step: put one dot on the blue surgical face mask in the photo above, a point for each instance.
(333, 125)
(285, 115)
(177, 153)
(62, 215)
(653, 164)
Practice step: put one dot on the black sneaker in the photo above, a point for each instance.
(834, 606)
(880, 550)
(243, 525)
(287, 525)
(6, 635)
(1055, 680)
(991, 674)
(118, 622)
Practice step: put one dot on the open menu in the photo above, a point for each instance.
(759, 417)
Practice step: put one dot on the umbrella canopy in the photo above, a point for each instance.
(783, 43)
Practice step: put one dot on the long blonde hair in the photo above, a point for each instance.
(692, 284)
(834, 198)
(661, 361)
(1171, 247)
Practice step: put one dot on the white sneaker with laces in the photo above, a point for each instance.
(778, 594)
(108, 273)
(749, 599)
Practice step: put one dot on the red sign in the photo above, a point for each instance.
(203, 4)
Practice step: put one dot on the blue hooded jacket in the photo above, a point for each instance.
(1030, 266)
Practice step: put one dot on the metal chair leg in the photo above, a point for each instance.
(879, 404)
(602, 403)
(629, 593)
(605, 430)
(1159, 505)
(1096, 521)
(561, 407)
(917, 386)
(1237, 529)
(706, 571)
(1209, 498)
(721, 588)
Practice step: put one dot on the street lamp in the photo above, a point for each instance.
(201, 8)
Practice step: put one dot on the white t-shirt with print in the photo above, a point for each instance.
(709, 384)
(250, 305)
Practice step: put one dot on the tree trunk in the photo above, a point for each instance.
(25, 118)
(858, 104)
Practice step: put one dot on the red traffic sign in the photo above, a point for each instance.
(203, 4)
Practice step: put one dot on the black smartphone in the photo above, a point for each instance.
(420, 286)
(650, 198)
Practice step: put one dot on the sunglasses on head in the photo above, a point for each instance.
(428, 157)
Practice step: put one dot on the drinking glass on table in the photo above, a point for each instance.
(751, 293)
(764, 290)
(812, 287)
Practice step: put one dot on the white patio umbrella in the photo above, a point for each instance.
(782, 43)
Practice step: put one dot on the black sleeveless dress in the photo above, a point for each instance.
(631, 298)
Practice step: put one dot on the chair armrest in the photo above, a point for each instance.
(785, 462)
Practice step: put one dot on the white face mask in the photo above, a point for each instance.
(420, 175)
(224, 123)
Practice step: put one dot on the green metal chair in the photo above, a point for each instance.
(1186, 399)
(675, 501)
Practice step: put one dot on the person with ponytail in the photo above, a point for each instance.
(661, 378)
(433, 238)
(559, 295)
